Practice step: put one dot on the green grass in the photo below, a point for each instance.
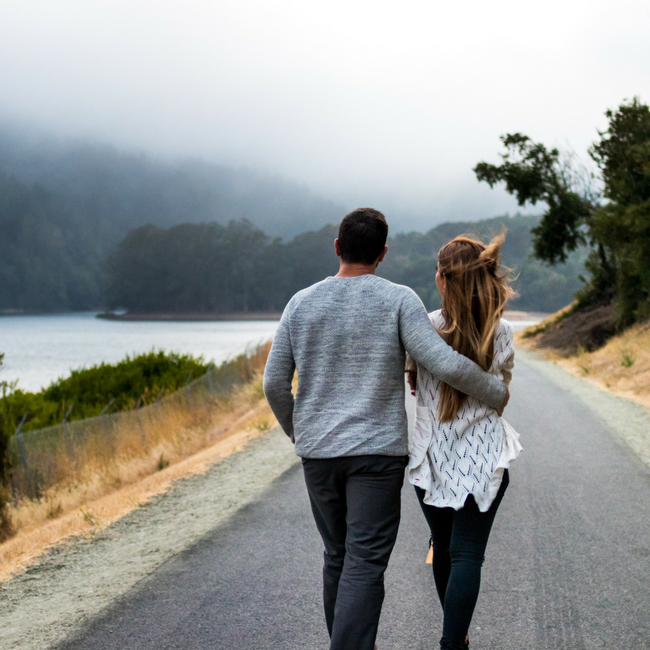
(628, 359)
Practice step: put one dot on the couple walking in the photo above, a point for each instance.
(348, 338)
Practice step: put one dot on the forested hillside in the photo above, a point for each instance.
(194, 236)
(209, 268)
(64, 206)
(50, 255)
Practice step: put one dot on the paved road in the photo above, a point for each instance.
(568, 565)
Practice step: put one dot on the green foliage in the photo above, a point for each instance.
(617, 233)
(533, 173)
(162, 463)
(133, 382)
(623, 224)
(628, 359)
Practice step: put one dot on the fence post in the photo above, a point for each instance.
(21, 443)
(210, 377)
(188, 390)
(68, 437)
(22, 452)
(158, 403)
(107, 407)
(107, 431)
(68, 441)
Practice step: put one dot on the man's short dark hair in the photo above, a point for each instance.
(362, 236)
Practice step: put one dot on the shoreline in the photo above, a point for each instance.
(190, 317)
(259, 316)
(511, 315)
(514, 315)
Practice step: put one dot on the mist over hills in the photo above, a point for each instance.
(118, 191)
(65, 205)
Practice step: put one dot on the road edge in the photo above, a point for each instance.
(629, 419)
(75, 581)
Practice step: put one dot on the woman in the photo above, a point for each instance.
(461, 448)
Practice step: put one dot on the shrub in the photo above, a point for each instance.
(130, 383)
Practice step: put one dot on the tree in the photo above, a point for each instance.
(533, 173)
(623, 156)
(617, 232)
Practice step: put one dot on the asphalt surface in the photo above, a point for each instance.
(567, 567)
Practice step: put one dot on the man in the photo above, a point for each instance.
(347, 337)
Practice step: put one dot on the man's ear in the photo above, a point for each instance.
(383, 254)
(337, 247)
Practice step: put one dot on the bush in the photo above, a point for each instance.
(133, 382)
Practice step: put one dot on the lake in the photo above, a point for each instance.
(40, 349)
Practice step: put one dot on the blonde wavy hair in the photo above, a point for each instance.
(477, 288)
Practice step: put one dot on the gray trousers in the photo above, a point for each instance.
(356, 505)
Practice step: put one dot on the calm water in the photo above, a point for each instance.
(40, 349)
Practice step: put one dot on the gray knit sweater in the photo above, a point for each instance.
(347, 339)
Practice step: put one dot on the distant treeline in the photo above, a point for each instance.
(211, 268)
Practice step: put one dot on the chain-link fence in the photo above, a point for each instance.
(73, 451)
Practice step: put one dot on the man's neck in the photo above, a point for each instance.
(355, 270)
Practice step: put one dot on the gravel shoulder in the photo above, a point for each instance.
(76, 580)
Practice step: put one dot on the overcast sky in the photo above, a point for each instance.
(388, 104)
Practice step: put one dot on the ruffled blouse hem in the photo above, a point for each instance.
(509, 452)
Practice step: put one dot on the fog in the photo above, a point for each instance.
(367, 103)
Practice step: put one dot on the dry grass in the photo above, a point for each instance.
(123, 447)
(99, 471)
(141, 449)
(622, 365)
(85, 508)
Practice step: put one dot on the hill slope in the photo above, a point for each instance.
(64, 207)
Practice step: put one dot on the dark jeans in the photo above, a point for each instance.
(459, 540)
(356, 505)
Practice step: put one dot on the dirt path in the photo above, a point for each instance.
(76, 580)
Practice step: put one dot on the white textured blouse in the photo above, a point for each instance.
(468, 455)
